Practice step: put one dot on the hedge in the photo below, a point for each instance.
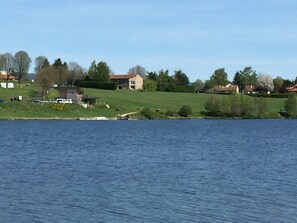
(272, 95)
(94, 84)
(184, 88)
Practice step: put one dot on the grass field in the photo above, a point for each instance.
(119, 101)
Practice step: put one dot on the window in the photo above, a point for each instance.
(132, 82)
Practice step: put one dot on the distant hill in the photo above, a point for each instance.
(31, 76)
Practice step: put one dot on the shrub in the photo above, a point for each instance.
(95, 84)
(58, 106)
(149, 85)
(171, 113)
(185, 111)
(147, 113)
(291, 105)
(184, 88)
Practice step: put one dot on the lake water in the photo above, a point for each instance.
(148, 171)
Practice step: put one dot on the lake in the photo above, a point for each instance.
(148, 171)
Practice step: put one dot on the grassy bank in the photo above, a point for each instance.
(119, 101)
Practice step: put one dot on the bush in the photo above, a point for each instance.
(170, 113)
(236, 106)
(96, 84)
(147, 113)
(291, 105)
(58, 106)
(149, 85)
(185, 111)
(184, 88)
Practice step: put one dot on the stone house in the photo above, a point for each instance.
(74, 93)
(128, 81)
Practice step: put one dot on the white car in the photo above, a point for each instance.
(64, 101)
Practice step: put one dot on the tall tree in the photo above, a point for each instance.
(60, 71)
(247, 76)
(76, 72)
(40, 62)
(23, 62)
(8, 64)
(220, 77)
(165, 82)
(138, 70)
(99, 72)
(198, 85)
(152, 75)
(278, 83)
(180, 78)
(265, 82)
(45, 77)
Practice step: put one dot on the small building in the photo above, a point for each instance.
(249, 89)
(229, 88)
(128, 81)
(74, 93)
(292, 88)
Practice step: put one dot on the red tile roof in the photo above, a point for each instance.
(4, 77)
(293, 88)
(122, 76)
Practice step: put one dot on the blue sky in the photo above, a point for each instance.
(193, 35)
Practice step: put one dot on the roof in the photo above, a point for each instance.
(4, 77)
(225, 88)
(293, 88)
(122, 76)
(249, 88)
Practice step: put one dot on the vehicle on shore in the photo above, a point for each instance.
(58, 100)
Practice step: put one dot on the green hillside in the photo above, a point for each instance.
(119, 102)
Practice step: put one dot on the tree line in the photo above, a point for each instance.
(63, 73)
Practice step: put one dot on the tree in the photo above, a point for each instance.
(99, 72)
(60, 71)
(185, 111)
(247, 76)
(220, 77)
(23, 62)
(75, 72)
(265, 82)
(278, 83)
(152, 75)
(165, 82)
(291, 105)
(180, 78)
(198, 85)
(138, 70)
(45, 78)
(40, 62)
(8, 64)
(149, 85)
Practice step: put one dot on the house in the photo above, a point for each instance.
(74, 93)
(3, 77)
(292, 89)
(249, 89)
(226, 89)
(128, 81)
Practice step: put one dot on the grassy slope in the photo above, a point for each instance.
(127, 101)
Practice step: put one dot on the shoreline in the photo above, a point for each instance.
(103, 118)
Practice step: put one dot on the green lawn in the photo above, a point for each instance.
(120, 102)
